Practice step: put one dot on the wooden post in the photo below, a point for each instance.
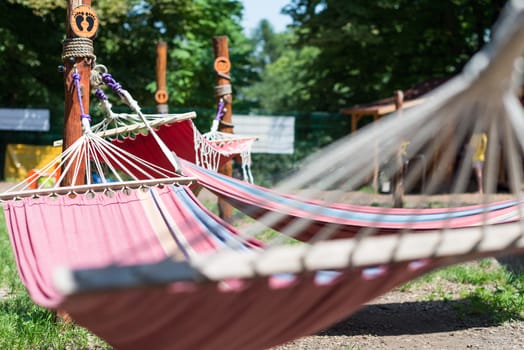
(223, 91)
(398, 183)
(161, 95)
(83, 27)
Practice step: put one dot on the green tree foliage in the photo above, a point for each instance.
(129, 47)
(31, 33)
(284, 84)
(29, 55)
(368, 49)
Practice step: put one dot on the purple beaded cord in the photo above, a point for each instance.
(220, 111)
(101, 95)
(112, 83)
(76, 81)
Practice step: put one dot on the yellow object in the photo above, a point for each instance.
(21, 159)
(479, 142)
(404, 148)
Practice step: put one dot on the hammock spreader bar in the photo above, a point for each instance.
(97, 188)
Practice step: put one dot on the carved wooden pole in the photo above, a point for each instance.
(398, 184)
(223, 91)
(78, 57)
(161, 95)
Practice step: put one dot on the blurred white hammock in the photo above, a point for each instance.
(145, 267)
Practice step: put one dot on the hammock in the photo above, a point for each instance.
(280, 211)
(188, 143)
(157, 304)
(211, 150)
(143, 265)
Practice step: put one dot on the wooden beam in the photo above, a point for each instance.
(161, 95)
(398, 183)
(72, 110)
(223, 92)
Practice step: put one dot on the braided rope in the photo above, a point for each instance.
(220, 109)
(223, 90)
(78, 48)
(76, 81)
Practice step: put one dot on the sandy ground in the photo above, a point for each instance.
(407, 320)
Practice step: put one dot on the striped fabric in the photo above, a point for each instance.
(81, 232)
(149, 226)
(179, 137)
(257, 201)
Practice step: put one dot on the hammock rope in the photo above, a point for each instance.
(78, 48)
(222, 140)
(209, 148)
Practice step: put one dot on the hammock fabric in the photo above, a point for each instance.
(257, 315)
(185, 140)
(347, 220)
(119, 230)
(149, 226)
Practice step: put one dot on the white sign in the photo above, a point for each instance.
(276, 135)
(24, 119)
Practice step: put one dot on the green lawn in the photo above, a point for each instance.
(488, 288)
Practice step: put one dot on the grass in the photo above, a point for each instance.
(487, 288)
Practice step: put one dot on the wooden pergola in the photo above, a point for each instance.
(380, 108)
(376, 110)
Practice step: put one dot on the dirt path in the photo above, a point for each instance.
(401, 320)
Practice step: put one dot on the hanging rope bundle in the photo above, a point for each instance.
(100, 77)
(78, 48)
(76, 81)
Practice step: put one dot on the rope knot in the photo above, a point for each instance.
(101, 95)
(76, 77)
(85, 116)
(220, 110)
(112, 83)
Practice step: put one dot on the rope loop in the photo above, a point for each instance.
(223, 90)
(76, 81)
(78, 48)
(96, 75)
(112, 83)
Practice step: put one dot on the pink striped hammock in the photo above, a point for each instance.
(347, 220)
(211, 150)
(129, 273)
(186, 141)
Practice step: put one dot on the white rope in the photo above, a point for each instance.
(483, 97)
(216, 141)
(205, 154)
